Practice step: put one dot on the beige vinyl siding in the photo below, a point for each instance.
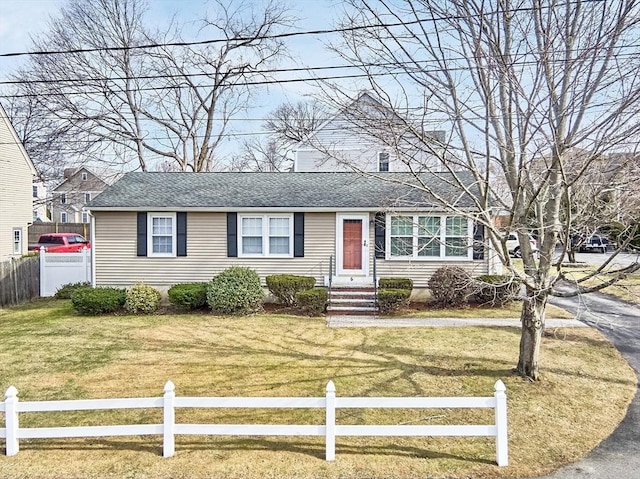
(16, 193)
(421, 271)
(118, 265)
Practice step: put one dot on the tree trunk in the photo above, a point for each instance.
(532, 318)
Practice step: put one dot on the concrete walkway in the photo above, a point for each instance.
(338, 321)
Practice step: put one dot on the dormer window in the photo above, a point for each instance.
(84, 176)
(383, 161)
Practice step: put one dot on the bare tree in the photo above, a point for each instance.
(147, 106)
(518, 85)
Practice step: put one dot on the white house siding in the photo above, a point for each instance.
(117, 263)
(16, 193)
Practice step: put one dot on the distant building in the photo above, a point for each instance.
(80, 186)
(40, 202)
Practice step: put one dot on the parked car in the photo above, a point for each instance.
(60, 243)
(513, 245)
(594, 243)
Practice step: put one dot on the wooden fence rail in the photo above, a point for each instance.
(12, 407)
(19, 280)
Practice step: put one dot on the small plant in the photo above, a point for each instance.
(188, 296)
(451, 286)
(496, 290)
(395, 283)
(286, 286)
(236, 290)
(95, 301)
(66, 290)
(390, 300)
(312, 301)
(142, 299)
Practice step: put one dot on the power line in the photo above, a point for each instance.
(270, 37)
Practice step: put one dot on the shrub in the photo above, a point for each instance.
(188, 296)
(94, 301)
(390, 300)
(285, 286)
(66, 290)
(451, 286)
(142, 299)
(395, 283)
(312, 301)
(496, 289)
(236, 290)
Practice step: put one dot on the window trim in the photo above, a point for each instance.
(265, 235)
(64, 217)
(85, 217)
(35, 190)
(150, 235)
(442, 239)
(380, 163)
(63, 198)
(87, 197)
(84, 176)
(17, 240)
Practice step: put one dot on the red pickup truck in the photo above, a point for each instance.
(60, 243)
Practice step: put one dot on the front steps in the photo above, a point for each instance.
(352, 301)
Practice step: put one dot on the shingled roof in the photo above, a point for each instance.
(220, 191)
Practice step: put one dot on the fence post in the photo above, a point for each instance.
(11, 421)
(85, 264)
(502, 439)
(168, 443)
(43, 279)
(330, 423)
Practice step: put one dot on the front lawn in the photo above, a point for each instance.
(50, 353)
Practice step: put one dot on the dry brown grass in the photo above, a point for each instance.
(627, 289)
(50, 353)
(508, 311)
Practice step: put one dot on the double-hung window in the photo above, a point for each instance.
(428, 236)
(17, 241)
(383, 161)
(266, 235)
(162, 234)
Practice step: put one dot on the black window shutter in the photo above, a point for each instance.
(379, 240)
(478, 241)
(298, 235)
(181, 219)
(232, 235)
(142, 233)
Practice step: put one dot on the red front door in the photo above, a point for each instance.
(352, 244)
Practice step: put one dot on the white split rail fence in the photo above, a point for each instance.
(169, 429)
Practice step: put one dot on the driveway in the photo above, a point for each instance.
(618, 456)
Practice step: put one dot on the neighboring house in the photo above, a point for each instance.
(352, 140)
(80, 186)
(16, 195)
(167, 228)
(40, 200)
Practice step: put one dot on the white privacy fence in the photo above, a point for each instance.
(58, 269)
(12, 407)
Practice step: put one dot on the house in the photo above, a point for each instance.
(16, 195)
(167, 228)
(40, 202)
(357, 138)
(79, 187)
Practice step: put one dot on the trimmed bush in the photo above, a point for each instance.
(188, 296)
(496, 290)
(285, 286)
(451, 286)
(66, 290)
(95, 301)
(236, 290)
(312, 301)
(395, 283)
(142, 299)
(390, 300)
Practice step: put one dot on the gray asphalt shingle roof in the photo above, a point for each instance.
(278, 190)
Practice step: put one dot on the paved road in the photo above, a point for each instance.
(618, 456)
